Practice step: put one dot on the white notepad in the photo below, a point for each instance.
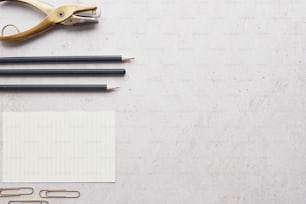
(58, 147)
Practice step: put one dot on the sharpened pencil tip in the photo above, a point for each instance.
(112, 88)
(127, 59)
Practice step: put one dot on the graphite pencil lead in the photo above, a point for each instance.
(127, 59)
(112, 88)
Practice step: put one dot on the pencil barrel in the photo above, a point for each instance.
(52, 87)
(14, 72)
(60, 59)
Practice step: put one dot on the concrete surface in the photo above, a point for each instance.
(212, 110)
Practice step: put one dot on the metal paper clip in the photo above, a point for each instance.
(28, 201)
(30, 189)
(59, 193)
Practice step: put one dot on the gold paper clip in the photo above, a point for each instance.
(14, 189)
(28, 201)
(59, 193)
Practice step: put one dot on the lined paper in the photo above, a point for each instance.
(58, 147)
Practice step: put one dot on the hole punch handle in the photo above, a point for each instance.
(44, 26)
(9, 25)
(39, 5)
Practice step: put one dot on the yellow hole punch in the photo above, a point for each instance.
(65, 15)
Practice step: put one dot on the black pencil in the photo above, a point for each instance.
(92, 72)
(64, 59)
(57, 87)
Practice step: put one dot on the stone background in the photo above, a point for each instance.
(211, 111)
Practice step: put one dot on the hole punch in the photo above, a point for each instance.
(59, 193)
(29, 201)
(65, 15)
(14, 190)
(7, 26)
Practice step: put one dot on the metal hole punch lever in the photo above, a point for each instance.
(9, 25)
(59, 193)
(14, 190)
(65, 15)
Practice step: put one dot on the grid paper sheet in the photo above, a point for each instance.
(58, 147)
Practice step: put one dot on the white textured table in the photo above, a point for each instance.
(212, 110)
